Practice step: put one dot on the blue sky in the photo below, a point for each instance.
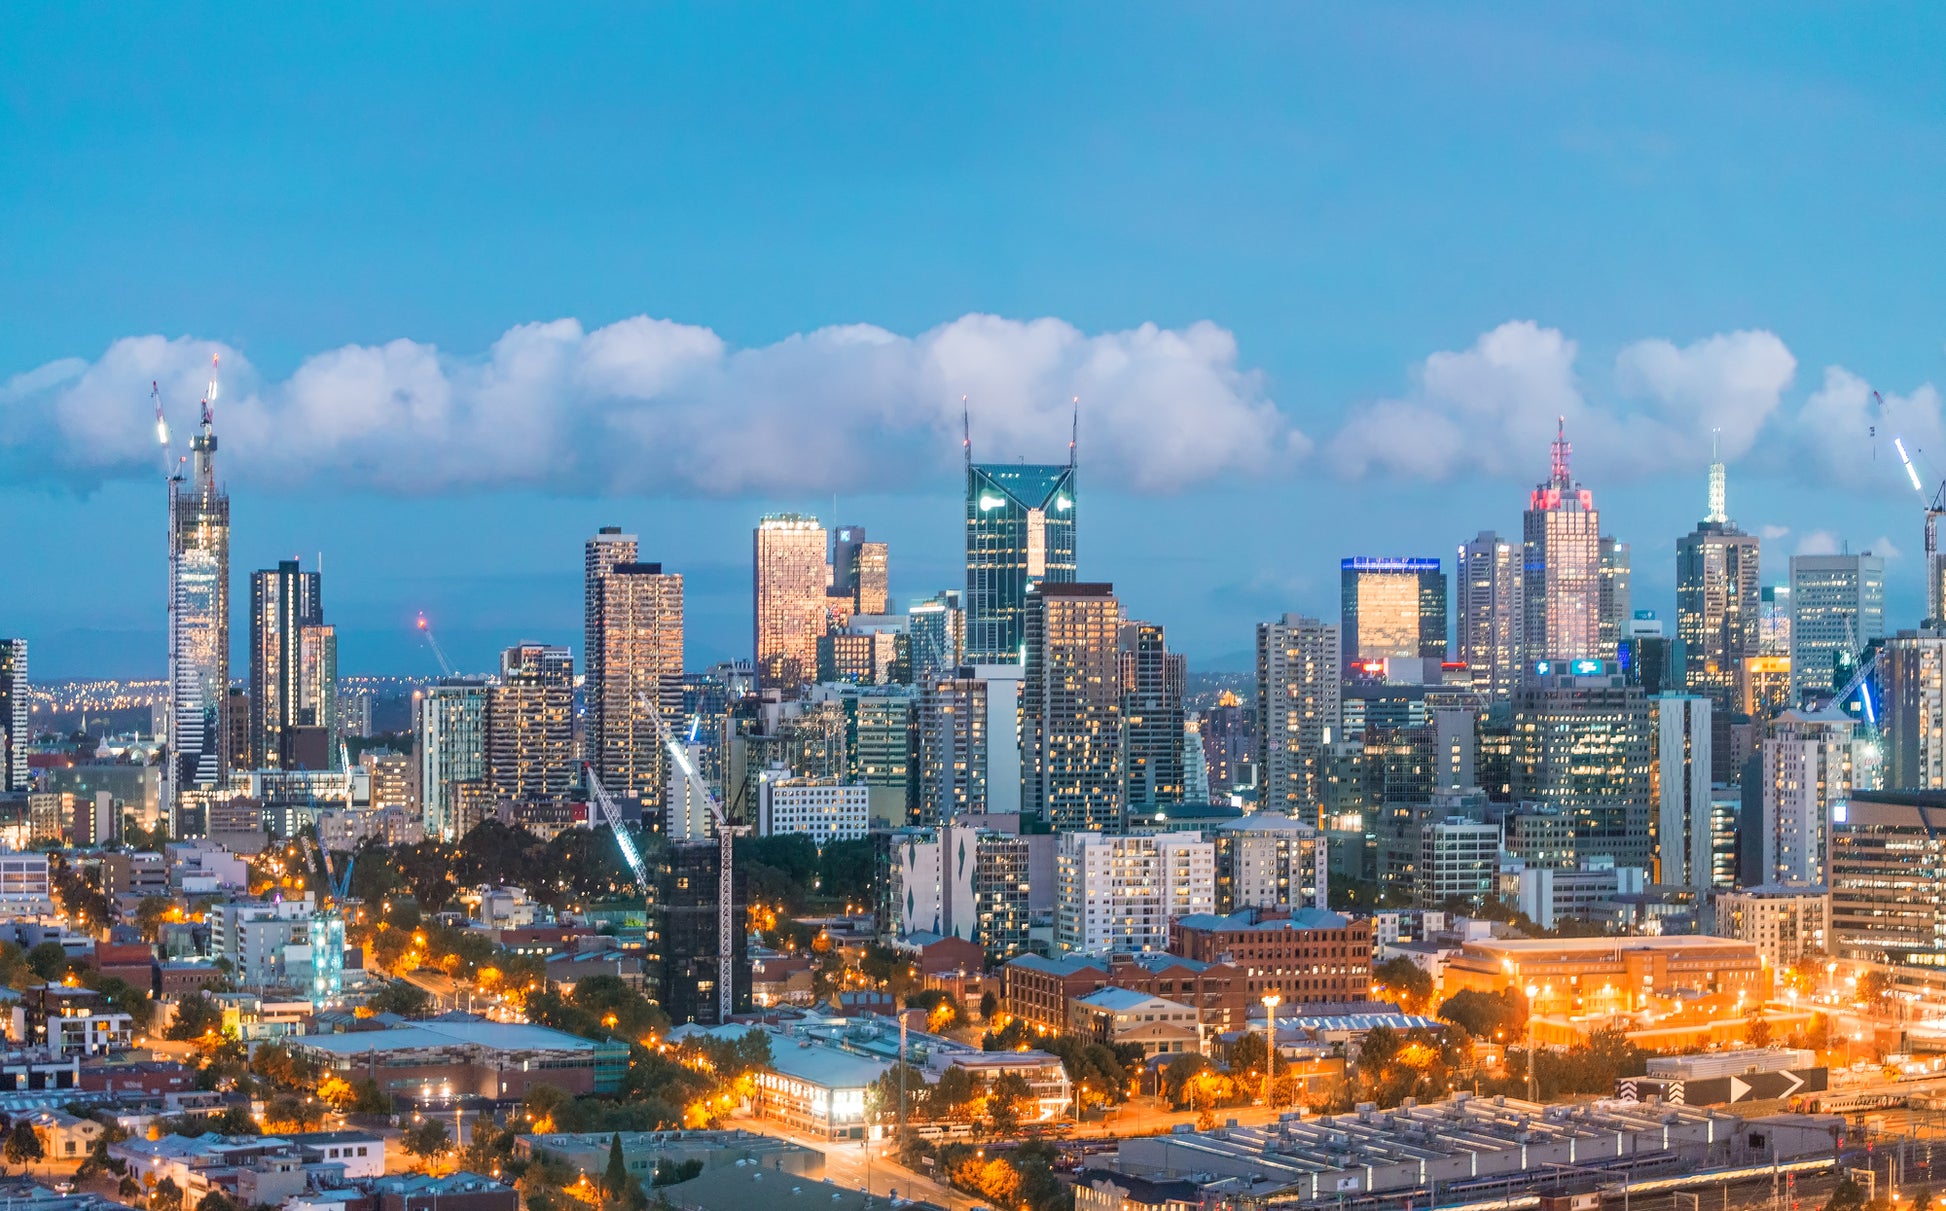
(1410, 237)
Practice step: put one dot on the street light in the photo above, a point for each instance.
(1271, 1001)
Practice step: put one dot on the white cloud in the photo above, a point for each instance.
(1885, 548)
(1491, 409)
(650, 406)
(1817, 542)
(1773, 533)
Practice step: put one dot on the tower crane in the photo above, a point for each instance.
(1935, 565)
(425, 628)
(726, 834)
(328, 923)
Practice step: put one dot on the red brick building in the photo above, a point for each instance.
(1308, 957)
(1041, 991)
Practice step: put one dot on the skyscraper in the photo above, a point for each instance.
(1774, 620)
(14, 734)
(1393, 609)
(1019, 532)
(1298, 700)
(199, 621)
(859, 570)
(1807, 769)
(1912, 669)
(935, 636)
(634, 667)
(1615, 606)
(293, 671)
(1684, 834)
(790, 580)
(1718, 602)
(1837, 607)
(1561, 558)
(1583, 743)
(1153, 680)
(530, 726)
(449, 733)
(1491, 617)
(1071, 707)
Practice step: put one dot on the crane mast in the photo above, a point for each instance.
(1935, 566)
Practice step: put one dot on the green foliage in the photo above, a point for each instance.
(989, 1005)
(600, 1007)
(23, 1144)
(79, 894)
(668, 1173)
(1009, 1098)
(149, 915)
(215, 1201)
(196, 1016)
(845, 871)
(123, 996)
(1405, 982)
(426, 1138)
(1486, 1015)
(1104, 1070)
(1178, 1072)
(167, 1196)
(48, 961)
(397, 996)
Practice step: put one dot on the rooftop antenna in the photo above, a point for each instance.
(966, 431)
(1718, 495)
(1561, 450)
(1074, 431)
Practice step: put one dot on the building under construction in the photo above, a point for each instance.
(683, 924)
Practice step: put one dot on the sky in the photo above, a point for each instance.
(485, 278)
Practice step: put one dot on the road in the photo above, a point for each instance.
(865, 1165)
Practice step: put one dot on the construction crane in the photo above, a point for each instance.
(425, 628)
(726, 834)
(1935, 566)
(328, 923)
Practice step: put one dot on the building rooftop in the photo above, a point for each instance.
(1514, 947)
(1071, 965)
(1302, 919)
(494, 1036)
(735, 1188)
(1117, 999)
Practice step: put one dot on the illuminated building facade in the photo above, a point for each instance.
(450, 746)
(1837, 607)
(530, 726)
(1071, 707)
(1269, 860)
(293, 672)
(1561, 566)
(860, 570)
(1614, 608)
(1392, 609)
(634, 654)
(198, 733)
(935, 636)
(1888, 879)
(15, 734)
(1912, 670)
(1153, 680)
(1019, 533)
(1684, 808)
(1583, 742)
(1808, 770)
(1718, 602)
(1765, 685)
(789, 595)
(1488, 581)
(1229, 737)
(1298, 703)
(969, 750)
(1774, 620)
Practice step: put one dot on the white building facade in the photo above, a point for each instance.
(1120, 893)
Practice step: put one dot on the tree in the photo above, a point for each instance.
(128, 1188)
(1485, 1015)
(1872, 986)
(426, 1139)
(214, 1201)
(150, 914)
(1008, 1099)
(23, 1144)
(196, 1015)
(1756, 1031)
(167, 1196)
(1408, 983)
(989, 1005)
(406, 1000)
(48, 961)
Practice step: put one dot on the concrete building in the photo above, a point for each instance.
(1488, 581)
(16, 734)
(428, 1063)
(821, 810)
(1153, 680)
(1783, 923)
(530, 726)
(1583, 742)
(790, 577)
(1912, 670)
(1459, 859)
(1299, 675)
(1561, 555)
(267, 943)
(1269, 860)
(1837, 606)
(1807, 770)
(1684, 854)
(1071, 706)
(1117, 1016)
(1121, 893)
(1888, 879)
(1609, 975)
(969, 744)
(633, 627)
(926, 884)
(449, 726)
(1584, 893)
(293, 671)
(1613, 608)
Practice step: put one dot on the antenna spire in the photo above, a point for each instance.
(1718, 491)
(966, 431)
(1559, 454)
(1074, 432)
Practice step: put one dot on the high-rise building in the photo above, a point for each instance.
(1393, 609)
(789, 593)
(530, 726)
(1459, 859)
(199, 623)
(859, 570)
(1298, 701)
(1615, 598)
(293, 670)
(1718, 601)
(1888, 879)
(1269, 860)
(1807, 770)
(1229, 733)
(684, 939)
(1684, 834)
(1561, 561)
(1774, 620)
(634, 655)
(1071, 706)
(935, 636)
(1912, 670)
(14, 725)
(1119, 893)
(449, 730)
(1649, 657)
(1583, 742)
(1153, 680)
(1837, 607)
(1488, 581)
(957, 882)
(969, 750)
(1019, 533)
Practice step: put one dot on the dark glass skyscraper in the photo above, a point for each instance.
(1019, 532)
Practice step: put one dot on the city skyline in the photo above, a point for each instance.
(1634, 229)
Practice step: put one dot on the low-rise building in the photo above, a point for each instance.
(1583, 976)
(644, 1151)
(1117, 1016)
(461, 1191)
(362, 1153)
(1593, 891)
(1311, 955)
(70, 1021)
(1783, 921)
(435, 1062)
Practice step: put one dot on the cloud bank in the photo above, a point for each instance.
(653, 407)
